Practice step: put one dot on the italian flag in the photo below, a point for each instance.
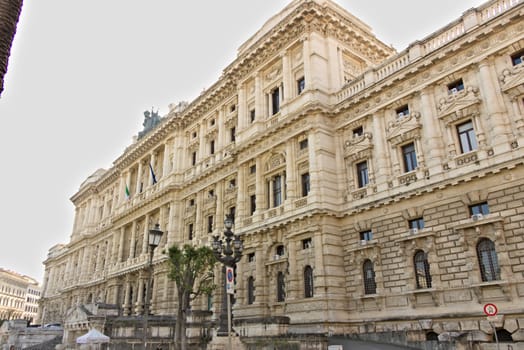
(127, 192)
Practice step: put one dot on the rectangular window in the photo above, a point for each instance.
(467, 138)
(307, 243)
(366, 235)
(193, 158)
(277, 191)
(190, 231)
(303, 144)
(275, 101)
(253, 169)
(232, 183)
(455, 86)
(305, 184)
(252, 115)
(417, 223)
(410, 157)
(233, 134)
(252, 204)
(212, 147)
(358, 131)
(251, 257)
(232, 212)
(210, 224)
(362, 174)
(402, 111)
(479, 208)
(517, 58)
(301, 84)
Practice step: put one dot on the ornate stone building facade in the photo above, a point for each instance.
(19, 296)
(376, 192)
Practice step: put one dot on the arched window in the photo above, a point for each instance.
(488, 261)
(308, 282)
(250, 290)
(422, 274)
(370, 287)
(281, 287)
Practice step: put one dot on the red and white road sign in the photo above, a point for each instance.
(490, 309)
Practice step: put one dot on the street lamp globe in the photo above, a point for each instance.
(155, 235)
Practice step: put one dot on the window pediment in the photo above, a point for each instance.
(405, 128)
(359, 144)
(275, 161)
(455, 104)
(513, 80)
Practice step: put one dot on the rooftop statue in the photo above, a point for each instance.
(151, 119)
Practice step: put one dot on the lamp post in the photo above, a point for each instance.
(228, 252)
(154, 239)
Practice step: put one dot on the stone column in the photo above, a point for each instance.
(293, 276)
(242, 107)
(163, 226)
(259, 273)
(139, 309)
(291, 171)
(260, 187)
(145, 238)
(306, 56)
(260, 111)
(314, 172)
(380, 152)
(202, 147)
(220, 201)
(166, 164)
(287, 77)
(132, 246)
(121, 247)
(171, 225)
(498, 126)
(138, 177)
(241, 194)
(197, 227)
(432, 135)
(221, 141)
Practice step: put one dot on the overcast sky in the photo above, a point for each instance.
(82, 72)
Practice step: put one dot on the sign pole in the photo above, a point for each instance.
(491, 311)
(230, 289)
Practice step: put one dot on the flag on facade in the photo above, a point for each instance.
(152, 173)
(127, 192)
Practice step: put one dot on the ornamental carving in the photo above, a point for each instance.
(358, 145)
(512, 80)
(404, 128)
(275, 161)
(458, 101)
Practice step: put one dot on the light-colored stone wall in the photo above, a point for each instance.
(235, 149)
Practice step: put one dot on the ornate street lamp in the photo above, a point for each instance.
(154, 240)
(228, 252)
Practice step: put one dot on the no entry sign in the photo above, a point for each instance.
(490, 309)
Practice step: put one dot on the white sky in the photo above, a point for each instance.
(81, 74)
